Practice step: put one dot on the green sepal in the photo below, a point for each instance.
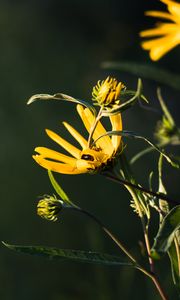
(71, 255)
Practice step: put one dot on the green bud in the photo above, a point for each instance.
(49, 208)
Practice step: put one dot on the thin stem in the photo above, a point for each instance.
(115, 240)
(94, 126)
(158, 286)
(108, 232)
(137, 187)
(177, 252)
(123, 248)
(148, 248)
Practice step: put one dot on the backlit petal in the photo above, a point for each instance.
(81, 140)
(116, 122)
(54, 155)
(105, 142)
(57, 167)
(174, 9)
(88, 119)
(63, 143)
(162, 29)
(159, 47)
(160, 14)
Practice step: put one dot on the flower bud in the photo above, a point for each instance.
(49, 208)
(167, 133)
(106, 93)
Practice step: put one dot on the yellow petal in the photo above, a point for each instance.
(116, 122)
(81, 140)
(54, 155)
(63, 143)
(159, 47)
(160, 14)
(57, 167)
(174, 9)
(88, 119)
(82, 115)
(105, 142)
(162, 29)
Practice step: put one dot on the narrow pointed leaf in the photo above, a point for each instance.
(166, 233)
(59, 96)
(131, 134)
(146, 71)
(165, 109)
(71, 255)
(174, 266)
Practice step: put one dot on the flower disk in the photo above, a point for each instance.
(107, 92)
(88, 159)
(167, 34)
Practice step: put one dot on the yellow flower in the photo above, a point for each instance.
(89, 158)
(107, 92)
(167, 33)
(49, 208)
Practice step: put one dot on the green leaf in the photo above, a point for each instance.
(174, 249)
(60, 96)
(131, 134)
(72, 255)
(59, 189)
(149, 71)
(172, 252)
(166, 233)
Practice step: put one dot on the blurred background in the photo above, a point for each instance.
(50, 46)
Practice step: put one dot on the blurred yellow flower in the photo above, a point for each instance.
(89, 158)
(107, 92)
(167, 33)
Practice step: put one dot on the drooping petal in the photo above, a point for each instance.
(57, 167)
(56, 156)
(81, 140)
(116, 122)
(63, 143)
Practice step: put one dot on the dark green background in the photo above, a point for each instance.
(50, 46)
